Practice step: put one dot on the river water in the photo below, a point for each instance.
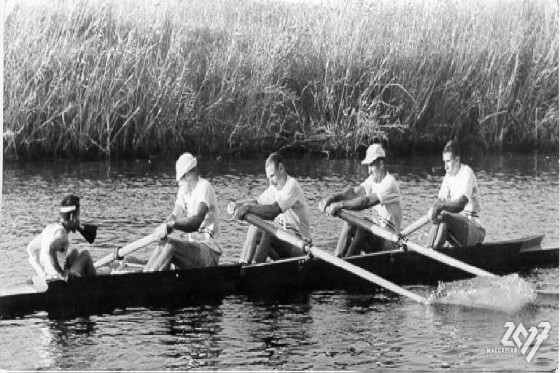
(323, 330)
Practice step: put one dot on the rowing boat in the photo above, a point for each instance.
(106, 292)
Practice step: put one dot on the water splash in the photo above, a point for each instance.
(507, 293)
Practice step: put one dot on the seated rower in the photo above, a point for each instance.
(380, 191)
(455, 214)
(283, 201)
(43, 250)
(195, 219)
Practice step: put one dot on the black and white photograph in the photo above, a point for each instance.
(280, 185)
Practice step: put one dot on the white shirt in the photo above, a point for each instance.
(463, 183)
(187, 203)
(292, 203)
(53, 238)
(388, 212)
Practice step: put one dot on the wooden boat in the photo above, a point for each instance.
(106, 292)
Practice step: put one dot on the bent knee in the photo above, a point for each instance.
(168, 249)
(72, 255)
(348, 228)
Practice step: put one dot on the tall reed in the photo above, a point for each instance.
(132, 78)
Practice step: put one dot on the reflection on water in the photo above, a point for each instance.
(321, 330)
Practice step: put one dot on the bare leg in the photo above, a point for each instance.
(262, 250)
(357, 243)
(282, 250)
(80, 263)
(432, 235)
(85, 263)
(158, 259)
(346, 235)
(273, 254)
(441, 236)
(71, 259)
(250, 245)
(189, 254)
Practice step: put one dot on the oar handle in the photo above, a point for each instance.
(288, 237)
(136, 245)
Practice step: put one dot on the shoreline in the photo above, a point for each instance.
(124, 80)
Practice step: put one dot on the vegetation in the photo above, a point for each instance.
(132, 79)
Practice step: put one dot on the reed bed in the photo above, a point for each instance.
(130, 78)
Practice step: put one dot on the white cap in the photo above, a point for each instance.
(373, 152)
(65, 209)
(185, 163)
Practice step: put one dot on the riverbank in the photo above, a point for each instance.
(234, 77)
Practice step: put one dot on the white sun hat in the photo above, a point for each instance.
(373, 152)
(185, 163)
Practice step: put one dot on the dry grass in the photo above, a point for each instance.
(126, 79)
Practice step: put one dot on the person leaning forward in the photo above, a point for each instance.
(380, 191)
(194, 221)
(283, 201)
(43, 250)
(455, 215)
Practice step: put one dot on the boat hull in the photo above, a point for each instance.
(104, 293)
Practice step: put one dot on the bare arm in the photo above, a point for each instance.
(454, 205)
(348, 193)
(190, 224)
(267, 212)
(359, 203)
(352, 197)
(33, 256)
(48, 254)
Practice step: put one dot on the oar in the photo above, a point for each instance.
(415, 226)
(121, 252)
(390, 236)
(288, 237)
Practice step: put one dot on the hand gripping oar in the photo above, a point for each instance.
(285, 236)
(121, 252)
(393, 237)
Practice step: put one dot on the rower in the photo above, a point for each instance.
(455, 215)
(43, 250)
(284, 203)
(380, 191)
(194, 221)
